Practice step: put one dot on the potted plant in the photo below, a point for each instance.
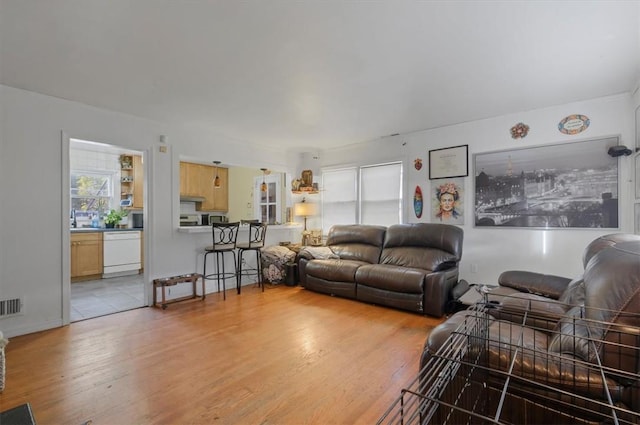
(113, 218)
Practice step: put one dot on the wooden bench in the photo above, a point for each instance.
(173, 281)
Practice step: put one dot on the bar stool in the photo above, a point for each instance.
(224, 242)
(257, 232)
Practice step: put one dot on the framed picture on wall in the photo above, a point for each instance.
(447, 200)
(568, 185)
(449, 162)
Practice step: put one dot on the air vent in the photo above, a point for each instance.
(11, 307)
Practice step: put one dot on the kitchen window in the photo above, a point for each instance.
(91, 193)
(268, 203)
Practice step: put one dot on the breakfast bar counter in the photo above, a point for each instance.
(280, 228)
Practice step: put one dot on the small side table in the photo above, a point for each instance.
(476, 293)
(173, 281)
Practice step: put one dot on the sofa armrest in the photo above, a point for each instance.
(535, 283)
(540, 312)
(437, 291)
(321, 252)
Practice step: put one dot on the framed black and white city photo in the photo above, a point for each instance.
(568, 185)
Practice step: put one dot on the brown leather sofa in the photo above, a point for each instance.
(407, 266)
(568, 349)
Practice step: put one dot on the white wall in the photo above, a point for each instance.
(493, 250)
(33, 234)
(32, 222)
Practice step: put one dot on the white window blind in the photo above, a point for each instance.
(381, 194)
(339, 197)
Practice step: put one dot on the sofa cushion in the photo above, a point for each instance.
(539, 311)
(421, 258)
(401, 300)
(443, 237)
(612, 284)
(603, 242)
(425, 246)
(391, 278)
(573, 335)
(358, 242)
(574, 294)
(338, 270)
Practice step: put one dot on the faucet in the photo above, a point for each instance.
(74, 223)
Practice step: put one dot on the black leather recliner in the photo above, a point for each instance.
(566, 350)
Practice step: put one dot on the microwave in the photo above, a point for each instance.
(137, 220)
(218, 218)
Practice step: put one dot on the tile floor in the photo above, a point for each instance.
(95, 298)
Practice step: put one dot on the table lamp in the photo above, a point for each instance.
(304, 209)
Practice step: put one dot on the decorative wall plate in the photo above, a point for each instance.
(417, 163)
(417, 202)
(519, 131)
(574, 124)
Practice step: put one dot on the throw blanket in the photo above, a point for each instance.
(320, 252)
(274, 259)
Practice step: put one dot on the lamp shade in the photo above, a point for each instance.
(304, 209)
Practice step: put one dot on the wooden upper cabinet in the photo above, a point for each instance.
(206, 174)
(185, 174)
(188, 173)
(196, 180)
(221, 194)
(138, 182)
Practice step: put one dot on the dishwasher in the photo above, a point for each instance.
(121, 253)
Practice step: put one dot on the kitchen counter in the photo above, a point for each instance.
(207, 229)
(100, 229)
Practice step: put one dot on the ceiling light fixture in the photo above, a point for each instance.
(263, 186)
(216, 182)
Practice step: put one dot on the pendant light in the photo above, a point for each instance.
(216, 181)
(263, 186)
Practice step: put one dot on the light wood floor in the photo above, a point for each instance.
(285, 356)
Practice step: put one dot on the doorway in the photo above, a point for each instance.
(102, 179)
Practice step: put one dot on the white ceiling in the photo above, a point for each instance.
(319, 73)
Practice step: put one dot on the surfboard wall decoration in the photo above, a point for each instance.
(417, 202)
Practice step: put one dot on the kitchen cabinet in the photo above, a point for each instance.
(221, 194)
(215, 198)
(138, 182)
(188, 179)
(196, 180)
(131, 180)
(86, 256)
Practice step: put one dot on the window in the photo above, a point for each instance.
(381, 194)
(373, 198)
(339, 197)
(268, 203)
(91, 193)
